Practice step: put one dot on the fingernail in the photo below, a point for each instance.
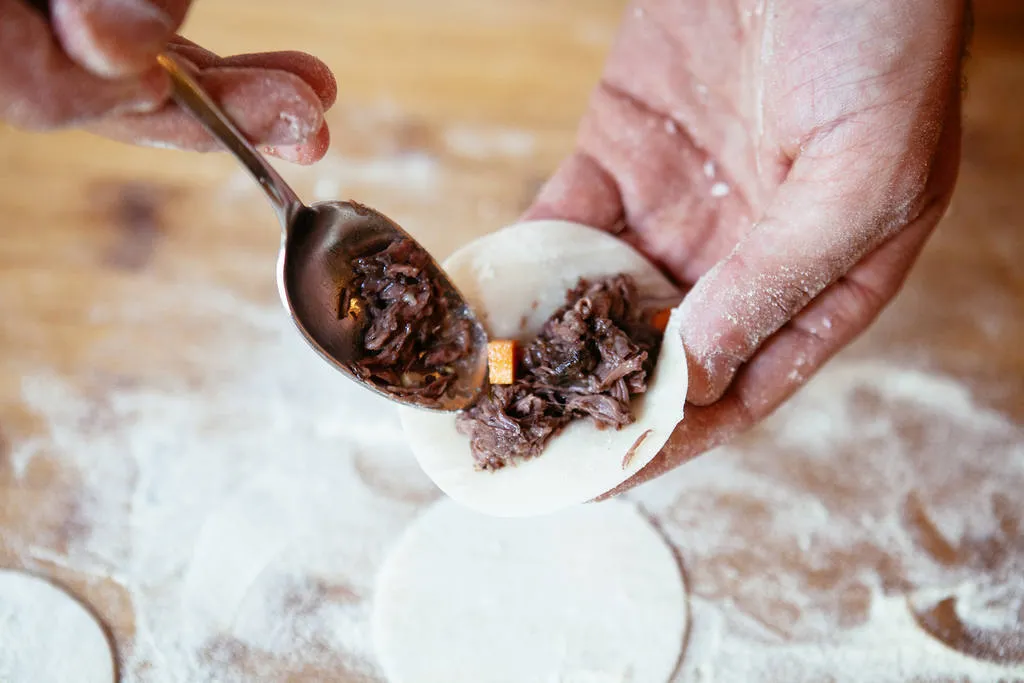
(113, 38)
(288, 129)
(709, 377)
(290, 153)
(312, 149)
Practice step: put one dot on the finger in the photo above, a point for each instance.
(196, 54)
(314, 72)
(41, 88)
(580, 191)
(308, 152)
(785, 362)
(178, 40)
(271, 108)
(116, 38)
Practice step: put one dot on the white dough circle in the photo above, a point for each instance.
(515, 279)
(591, 594)
(47, 636)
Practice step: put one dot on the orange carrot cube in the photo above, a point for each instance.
(660, 319)
(501, 361)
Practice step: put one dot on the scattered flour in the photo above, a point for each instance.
(720, 189)
(246, 508)
(488, 143)
(245, 514)
(817, 546)
(410, 171)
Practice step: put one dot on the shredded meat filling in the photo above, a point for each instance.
(411, 340)
(590, 358)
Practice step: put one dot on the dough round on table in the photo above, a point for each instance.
(515, 279)
(47, 636)
(586, 595)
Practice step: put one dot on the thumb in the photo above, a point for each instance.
(844, 196)
(116, 38)
(580, 191)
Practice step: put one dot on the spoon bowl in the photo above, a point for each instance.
(319, 245)
(315, 270)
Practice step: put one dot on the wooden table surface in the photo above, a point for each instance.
(450, 115)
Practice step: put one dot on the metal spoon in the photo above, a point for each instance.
(314, 266)
(318, 245)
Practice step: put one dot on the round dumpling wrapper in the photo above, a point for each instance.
(515, 279)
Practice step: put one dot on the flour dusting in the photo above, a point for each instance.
(412, 172)
(245, 507)
(720, 189)
(825, 537)
(239, 514)
(487, 143)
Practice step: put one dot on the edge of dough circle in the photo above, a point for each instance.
(515, 278)
(58, 638)
(592, 593)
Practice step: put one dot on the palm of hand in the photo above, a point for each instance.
(788, 160)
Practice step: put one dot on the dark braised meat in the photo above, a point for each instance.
(411, 340)
(590, 358)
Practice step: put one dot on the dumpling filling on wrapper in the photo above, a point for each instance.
(515, 280)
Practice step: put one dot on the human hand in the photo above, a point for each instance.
(788, 159)
(91, 65)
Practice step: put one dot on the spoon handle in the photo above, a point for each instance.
(191, 96)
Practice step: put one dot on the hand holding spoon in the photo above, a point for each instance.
(319, 244)
(317, 283)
